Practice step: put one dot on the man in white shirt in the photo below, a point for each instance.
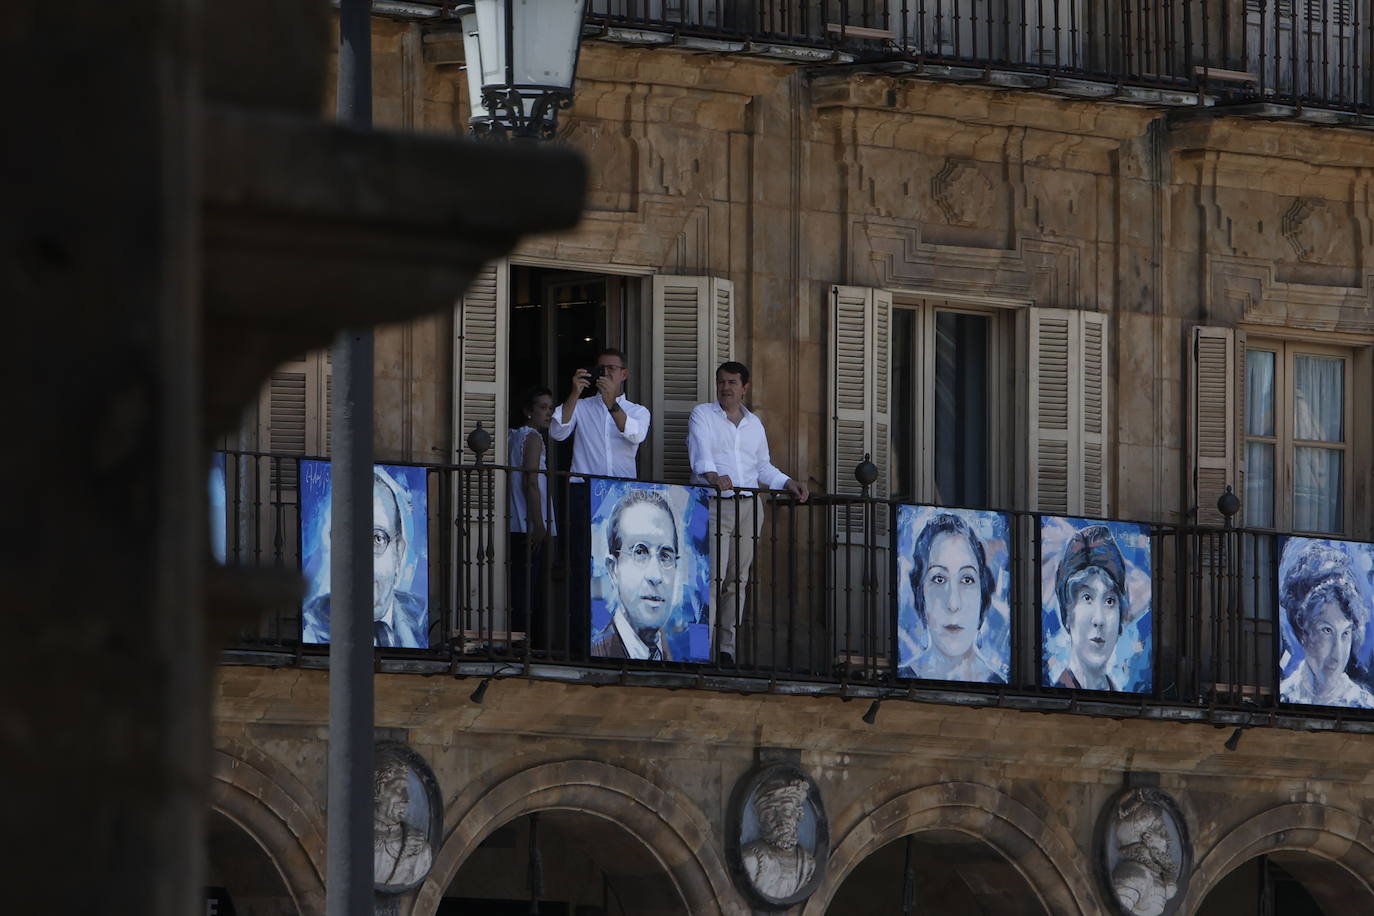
(609, 428)
(728, 448)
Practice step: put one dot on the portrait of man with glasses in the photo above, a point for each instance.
(400, 616)
(648, 577)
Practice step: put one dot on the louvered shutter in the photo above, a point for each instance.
(694, 332)
(722, 328)
(294, 415)
(1068, 411)
(1093, 412)
(1213, 413)
(859, 391)
(481, 351)
(481, 356)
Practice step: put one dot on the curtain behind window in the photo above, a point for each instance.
(1259, 421)
(1318, 415)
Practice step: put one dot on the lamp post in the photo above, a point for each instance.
(521, 61)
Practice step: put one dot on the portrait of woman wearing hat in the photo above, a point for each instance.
(1095, 598)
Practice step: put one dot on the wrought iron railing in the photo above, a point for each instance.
(1294, 52)
(828, 599)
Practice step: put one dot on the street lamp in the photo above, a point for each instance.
(521, 60)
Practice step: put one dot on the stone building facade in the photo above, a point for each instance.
(1118, 261)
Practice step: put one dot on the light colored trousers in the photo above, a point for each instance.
(735, 527)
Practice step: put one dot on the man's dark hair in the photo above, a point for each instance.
(734, 368)
(611, 351)
(949, 524)
(633, 497)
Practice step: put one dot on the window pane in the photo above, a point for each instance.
(1317, 489)
(905, 417)
(1319, 398)
(1259, 393)
(1259, 484)
(961, 409)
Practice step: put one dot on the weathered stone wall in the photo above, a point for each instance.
(788, 180)
(663, 764)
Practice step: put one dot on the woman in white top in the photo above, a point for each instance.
(531, 510)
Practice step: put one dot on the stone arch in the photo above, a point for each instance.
(269, 804)
(1042, 853)
(671, 828)
(1331, 835)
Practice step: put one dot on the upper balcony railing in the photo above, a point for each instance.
(1305, 53)
(829, 603)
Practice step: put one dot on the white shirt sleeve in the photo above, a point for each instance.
(768, 475)
(560, 431)
(636, 423)
(699, 441)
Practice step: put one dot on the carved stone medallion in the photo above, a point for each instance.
(407, 814)
(779, 839)
(1144, 855)
(962, 192)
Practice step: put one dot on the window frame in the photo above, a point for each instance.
(1000, 366)
(1286, 351)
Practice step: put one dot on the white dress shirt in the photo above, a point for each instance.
(634, 646)
(714, 444)
(600, 447)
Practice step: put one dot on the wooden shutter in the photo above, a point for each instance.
(481, 356)
(1214, 419)
(1093, 412)
(1069, 421)
(481, 353)
(293, 415)
(859, 390)
(693, 333)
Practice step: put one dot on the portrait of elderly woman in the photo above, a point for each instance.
(1095, 598)
(953, 616)
(783, 838)
(1325, 657)
(404, 822)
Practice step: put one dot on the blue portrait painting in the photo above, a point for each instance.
(953, 595)
(1095, 605)
(1326, 647)
(650, 572)
(400, 554)
(219, 509)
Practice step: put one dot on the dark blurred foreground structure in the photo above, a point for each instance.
(175, 211)
(1032, 256)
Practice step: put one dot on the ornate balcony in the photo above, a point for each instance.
(828, 607)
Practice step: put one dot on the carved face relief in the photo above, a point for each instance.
(405, 819)
(780, 840)
(1145, 855)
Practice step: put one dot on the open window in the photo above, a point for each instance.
(521, 326)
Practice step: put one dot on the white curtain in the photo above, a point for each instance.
(1259, 421)
(1318, 416)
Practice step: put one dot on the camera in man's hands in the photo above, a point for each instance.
(596, 372)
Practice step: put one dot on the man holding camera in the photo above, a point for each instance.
(609, 428)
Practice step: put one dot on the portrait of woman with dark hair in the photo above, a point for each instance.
(1327, 618)
(952, 600)
(1095, 594)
